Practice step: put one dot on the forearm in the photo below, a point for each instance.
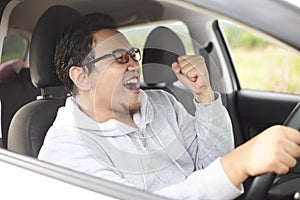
(233, 166)
(214, 131)
(209, 183)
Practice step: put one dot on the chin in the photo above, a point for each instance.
(134, 103)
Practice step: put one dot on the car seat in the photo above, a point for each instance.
(14, 93)
(30, 124)
(162, 47)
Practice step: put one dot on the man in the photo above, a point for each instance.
(145, 139)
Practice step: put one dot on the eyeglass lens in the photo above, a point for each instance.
(122, 56)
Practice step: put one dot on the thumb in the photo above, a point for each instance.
(184, 80)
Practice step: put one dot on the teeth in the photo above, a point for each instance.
(133, 80)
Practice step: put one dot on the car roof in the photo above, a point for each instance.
(276, 18)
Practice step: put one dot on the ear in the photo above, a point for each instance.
(80, 78)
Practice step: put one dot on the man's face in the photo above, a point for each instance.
(115, 86)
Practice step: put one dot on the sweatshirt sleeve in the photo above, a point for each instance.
(209, 183)
(209, 134)
(214, 132)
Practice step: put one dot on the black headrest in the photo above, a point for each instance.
(42, 48)
(162, 47)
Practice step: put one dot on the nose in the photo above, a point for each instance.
(133, 65)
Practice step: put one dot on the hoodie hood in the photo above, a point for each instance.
(71, 116)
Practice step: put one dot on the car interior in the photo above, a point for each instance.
(31, 120)
(162, 47)
(157, 75)
(31, 97)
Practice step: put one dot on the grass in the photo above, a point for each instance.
(267, 68)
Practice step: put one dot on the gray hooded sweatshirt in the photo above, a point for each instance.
(170, 153)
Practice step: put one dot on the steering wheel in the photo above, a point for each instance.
(262, 183)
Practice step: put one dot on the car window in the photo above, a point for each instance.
(261, 65)
(14, 47)
(14, 54)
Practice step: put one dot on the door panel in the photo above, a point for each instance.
(258, 110)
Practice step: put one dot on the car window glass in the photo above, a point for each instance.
(261, 65)
(13, 57)
(14, 47)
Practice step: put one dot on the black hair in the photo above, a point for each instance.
(75, 43)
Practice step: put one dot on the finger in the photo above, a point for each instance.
(186, 68)
(183, 79)
(192, 59)
(202, 84)
(181, 58)
(175, 67)
(199, 81)
(185, 61)
(192, 75)
(292, 148)
(185, 58)
(188, 57)
(281, 169)
(292, 134)
(280, 164)
(286, 159)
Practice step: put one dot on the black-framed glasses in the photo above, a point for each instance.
(120, 55)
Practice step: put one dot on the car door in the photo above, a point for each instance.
(23, 177)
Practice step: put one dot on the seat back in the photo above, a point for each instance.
(14, 93)
(161, 49)
(30, 124)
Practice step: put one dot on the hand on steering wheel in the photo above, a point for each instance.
(262, 183)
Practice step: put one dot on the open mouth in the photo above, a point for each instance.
(132, 84)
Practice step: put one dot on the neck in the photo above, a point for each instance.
(103, 113)
(125, 118)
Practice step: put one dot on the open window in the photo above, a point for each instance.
(262, 65)
(14, 53)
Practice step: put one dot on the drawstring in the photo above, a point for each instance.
(140, 166)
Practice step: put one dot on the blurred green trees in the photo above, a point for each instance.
(261, 65)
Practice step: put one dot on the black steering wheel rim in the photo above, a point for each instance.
(262, 183)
